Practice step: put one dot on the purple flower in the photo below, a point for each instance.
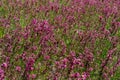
(75, 75)
(2, 76)
(29, 64)
(77, 61)
(88, 54)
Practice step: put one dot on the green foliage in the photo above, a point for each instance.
(118, 32)
(108, 23)
(116, 76)
(99, 46)
(22, 21)
(2, 11)
(1, 32)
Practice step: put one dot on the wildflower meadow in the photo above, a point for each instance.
(59, 39)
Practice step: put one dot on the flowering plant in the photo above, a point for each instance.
(60, 40)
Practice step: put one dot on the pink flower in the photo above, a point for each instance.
(65, 60)
(34, 48)
(79, 79)
(1, 74)
(92, 2)
(34, 21)
(75, 75)
(31, 68)
(46, 57)
(18, 68)
(88, 54)
(85, 75)
(29, 64)
(72, 54)
(4, 65)
(55, 78)
(77, 61)
(62, 66)
(105, 76)
(33, 76)
(90, 69)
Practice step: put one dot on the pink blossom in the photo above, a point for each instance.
(33, 76)
(2, 75)
(5, 65)
(18, 68)
(46, 57)
(84, 76)
(75, 75)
